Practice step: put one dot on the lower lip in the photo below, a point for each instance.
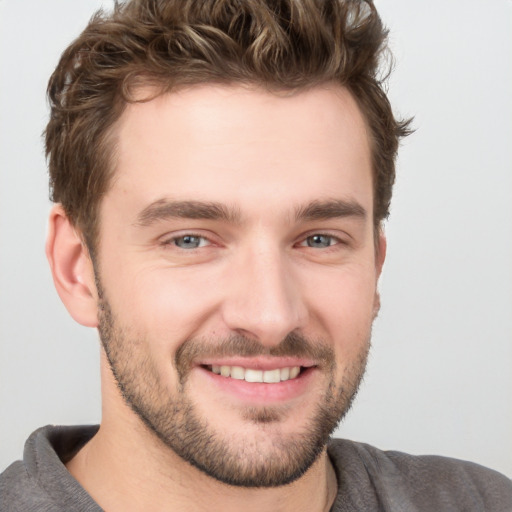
(261, 392)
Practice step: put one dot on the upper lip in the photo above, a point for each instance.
(258, 363)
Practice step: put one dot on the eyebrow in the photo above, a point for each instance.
(330, 209)
(165, 209)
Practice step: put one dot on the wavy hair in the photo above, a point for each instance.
(279, 45)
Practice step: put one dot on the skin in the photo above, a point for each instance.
(262, 275)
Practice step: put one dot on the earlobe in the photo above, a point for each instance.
(376, 305)
(72, 269)
(380, 255)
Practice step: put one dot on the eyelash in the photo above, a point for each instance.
(334, 239)
(303, 242)
(174, 239)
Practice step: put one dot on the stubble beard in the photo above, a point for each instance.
(268, 457)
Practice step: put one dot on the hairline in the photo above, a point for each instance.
(110, 137)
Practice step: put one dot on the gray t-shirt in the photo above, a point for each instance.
(368, 479)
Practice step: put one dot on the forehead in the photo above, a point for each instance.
(236, 144)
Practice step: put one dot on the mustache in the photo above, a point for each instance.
(237, 345)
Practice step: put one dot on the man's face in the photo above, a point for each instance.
(237, 274)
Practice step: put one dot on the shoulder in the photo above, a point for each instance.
(20, 492)
(40, 482)
(426, 482)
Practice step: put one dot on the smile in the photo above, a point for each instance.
(251, 375)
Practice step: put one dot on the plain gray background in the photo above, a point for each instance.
(440, 378)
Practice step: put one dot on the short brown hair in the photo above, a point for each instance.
(275, 44)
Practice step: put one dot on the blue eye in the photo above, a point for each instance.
(189, 241)
(320, 241)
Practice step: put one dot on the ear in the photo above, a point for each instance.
(380, 252)
(72, 269)
(380, 256)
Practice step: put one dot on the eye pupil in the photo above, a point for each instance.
(319, 241)
(188, 242)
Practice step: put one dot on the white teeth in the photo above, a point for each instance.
(237, 372)
(285, 373)
(294, 371)
(272, 376)
(251, 375)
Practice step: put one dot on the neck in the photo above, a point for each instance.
(126, 472)
(125, 467)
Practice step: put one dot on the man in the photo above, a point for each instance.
(220, 172)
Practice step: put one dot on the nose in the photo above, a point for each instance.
(263, 299)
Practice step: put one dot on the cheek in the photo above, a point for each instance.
(166, 304)
(170, 305)
(342, 303)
